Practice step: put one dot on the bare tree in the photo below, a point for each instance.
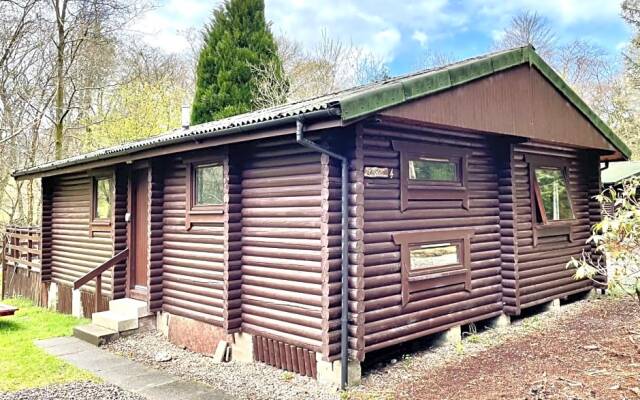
(331, 65)
(529, 28)
(435, 58)
(79, 24)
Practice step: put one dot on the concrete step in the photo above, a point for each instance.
(114, 321)
(94, 334)
(131, 307)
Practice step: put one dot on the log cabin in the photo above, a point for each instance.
(310, 234)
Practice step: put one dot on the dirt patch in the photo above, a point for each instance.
(586, 350)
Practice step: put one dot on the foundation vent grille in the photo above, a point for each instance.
(285, 356)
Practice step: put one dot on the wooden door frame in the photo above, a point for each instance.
(131, 232)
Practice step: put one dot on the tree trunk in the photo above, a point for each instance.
(59, 127)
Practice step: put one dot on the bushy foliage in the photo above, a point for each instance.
(237, 40)
(139, 109)
(617, 237)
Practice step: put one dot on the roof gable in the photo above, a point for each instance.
(518, 101)
(396, 91)
(343, 107)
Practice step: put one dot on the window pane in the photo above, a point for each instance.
(434, 255)
(555, 197)
(433, 169)
(103, 198)
(209, 189)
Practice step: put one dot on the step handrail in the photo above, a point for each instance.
(96, 274)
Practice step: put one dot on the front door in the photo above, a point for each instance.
(139, 246)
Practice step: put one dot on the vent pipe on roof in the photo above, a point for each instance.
(186, 116)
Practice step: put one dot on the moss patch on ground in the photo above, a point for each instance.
(22, 363)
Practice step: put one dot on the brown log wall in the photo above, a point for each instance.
(45, 230)
(356, 247)
(120, 232)
(156, 245)
(386, 321)
(233, 244)
(542, 272)
(193, 263)
(508, 228)
(74, 252)
(287, 239)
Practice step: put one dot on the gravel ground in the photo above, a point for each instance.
(387, 374)
(242, 381)
(584, 350)
(73, 391)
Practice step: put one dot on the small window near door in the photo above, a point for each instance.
(209, 188)
(205, 184)
(554, 201)
(103, 191)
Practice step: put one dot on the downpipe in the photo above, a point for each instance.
(344, 306)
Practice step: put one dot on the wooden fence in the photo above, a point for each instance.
(21, 247)
(21, 263)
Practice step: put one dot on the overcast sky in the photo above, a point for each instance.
(400, 30)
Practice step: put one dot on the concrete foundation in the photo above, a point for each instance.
(162, 323)
(329, 372)
(451, 336)
(501, 321)
(242, 348)
(76, 304)
(553, 305)
(592, 294)
(52, 298)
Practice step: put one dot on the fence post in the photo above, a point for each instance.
(2, 260)
(98, 292)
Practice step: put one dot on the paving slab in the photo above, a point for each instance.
(129, 375)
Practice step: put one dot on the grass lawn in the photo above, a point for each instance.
(22, 364)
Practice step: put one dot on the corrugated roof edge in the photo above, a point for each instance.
(353, 103)
(413, 87)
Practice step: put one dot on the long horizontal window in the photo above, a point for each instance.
(434, 169)
(430, 172)
(433, 255)
(434, 258)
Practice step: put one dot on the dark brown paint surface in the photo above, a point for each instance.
(140, 228)
(518, 101)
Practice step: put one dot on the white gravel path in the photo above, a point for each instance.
(242, 381)
(73, 391)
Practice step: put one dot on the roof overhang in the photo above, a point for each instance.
(339, 109)
(190, 139)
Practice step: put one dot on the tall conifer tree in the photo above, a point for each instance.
(237, 40)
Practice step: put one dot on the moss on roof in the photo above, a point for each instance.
(399, 90)
(357, 102)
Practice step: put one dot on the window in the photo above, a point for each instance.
(554, 202)
(426, 256)
(208, 185)
(205, 190)
(433, 258)
(431, 173)
(434, 170)
(552, 208)
(101, 206)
